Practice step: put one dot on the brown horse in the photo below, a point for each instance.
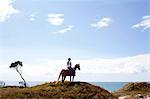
(66, 72)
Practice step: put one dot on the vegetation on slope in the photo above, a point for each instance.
(69, 90)
(134, 90)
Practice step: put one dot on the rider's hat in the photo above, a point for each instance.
(69, 59)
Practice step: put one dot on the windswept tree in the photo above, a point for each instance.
(16, 65)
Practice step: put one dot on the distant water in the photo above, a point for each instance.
(29, 83)
(110, 86)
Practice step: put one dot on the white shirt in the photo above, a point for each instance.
(69, 64)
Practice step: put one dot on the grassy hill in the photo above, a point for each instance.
(134, 90)
(52, 90)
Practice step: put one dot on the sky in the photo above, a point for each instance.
(110, 39)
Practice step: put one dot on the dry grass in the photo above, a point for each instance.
(134, 89)
(69, 90)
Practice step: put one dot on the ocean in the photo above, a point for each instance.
(110, 86)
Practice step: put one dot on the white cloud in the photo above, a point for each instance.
(62, 31)
(104, 22)
(55, 19)
(135, 64)
(50, 69)
(145, 23)
(32, 17)
(6, 9)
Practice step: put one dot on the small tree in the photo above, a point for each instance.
(16, 65)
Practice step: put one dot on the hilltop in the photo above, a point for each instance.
(134, 90)
(69, 90)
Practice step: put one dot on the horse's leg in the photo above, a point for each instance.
(73, 78)
(64, 78)
(59, 75)
(70, 78)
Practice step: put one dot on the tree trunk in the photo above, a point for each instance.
(22, 77)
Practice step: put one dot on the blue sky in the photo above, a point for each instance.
(58, 29)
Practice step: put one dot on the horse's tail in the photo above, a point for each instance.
(60, 75)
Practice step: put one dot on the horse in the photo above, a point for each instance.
(66, 72)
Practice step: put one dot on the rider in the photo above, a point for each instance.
(69, 65)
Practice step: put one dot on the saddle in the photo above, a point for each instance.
(72, 72)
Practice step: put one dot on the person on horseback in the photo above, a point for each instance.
(69, 66)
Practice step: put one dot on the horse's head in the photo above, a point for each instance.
(77, 66)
